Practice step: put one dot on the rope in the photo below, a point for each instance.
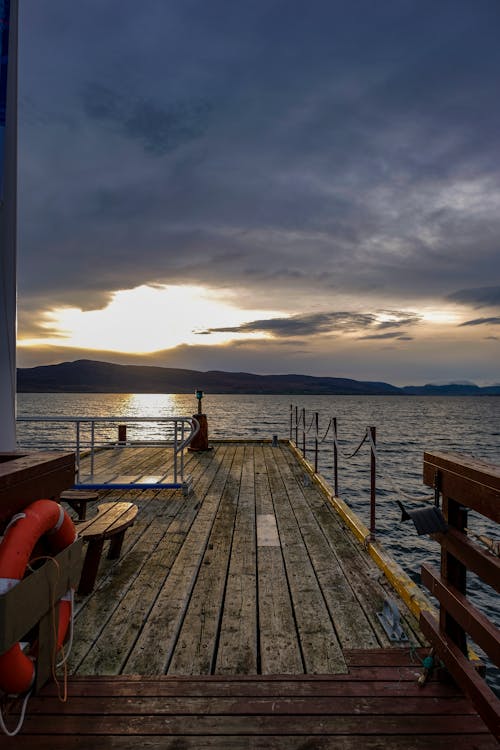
(363, 441)
(309, 428)
(327, 431)
(64, 696)
(21, 718)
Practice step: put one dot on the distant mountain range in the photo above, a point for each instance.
(88, 376)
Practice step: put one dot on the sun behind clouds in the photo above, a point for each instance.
(147, 319)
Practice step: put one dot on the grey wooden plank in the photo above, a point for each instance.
(365, 578)
(94, 616)
(238, 642)
(279, 647)
(320, 647)
(195, 649)
(154, 646)
(156, 517)
(352, 626)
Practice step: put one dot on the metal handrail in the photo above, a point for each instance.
(179, 438)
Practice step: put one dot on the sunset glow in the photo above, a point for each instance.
(147, 319)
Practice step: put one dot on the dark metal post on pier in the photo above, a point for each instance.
(373, 471)
(316, 416)
(335, 459)
(304, 432)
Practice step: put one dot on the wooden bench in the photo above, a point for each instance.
(78, 499)
(111, 522)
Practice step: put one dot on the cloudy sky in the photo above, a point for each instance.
(274, 186)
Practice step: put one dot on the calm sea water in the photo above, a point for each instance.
(406, 426)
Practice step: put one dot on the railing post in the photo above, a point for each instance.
(335, 459)
(92, 444)
(316, 444)
(175, 452)
(373, 471)
(304, 432)
(452, 570)
(297, 426)
(182, 451)
(77, 451)
(291, 421)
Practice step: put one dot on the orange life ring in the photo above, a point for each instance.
(47, 519)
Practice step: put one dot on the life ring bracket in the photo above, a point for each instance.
(30, 601)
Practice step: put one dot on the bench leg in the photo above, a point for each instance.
(115, 545)
(90, 566)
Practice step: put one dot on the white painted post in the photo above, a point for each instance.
(8, 240)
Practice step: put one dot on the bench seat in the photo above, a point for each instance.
(111, 522)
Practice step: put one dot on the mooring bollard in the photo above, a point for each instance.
(200, 440)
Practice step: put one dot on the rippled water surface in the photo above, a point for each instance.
(406, 426)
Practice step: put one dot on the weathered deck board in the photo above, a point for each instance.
(351, 623)
(237, 651)
(252, 573)
(196, 647)
(158, 638)
(161, 526)
(366, 581)
(320, 648)
(279, 648)
(374, 707)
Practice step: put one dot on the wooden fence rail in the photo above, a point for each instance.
(466, 484)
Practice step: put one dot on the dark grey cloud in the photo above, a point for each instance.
(388, 335)
(481, 321)
(302, 325)
(159, 129)
(487, 296)
(320, 323)
(291, 152)
(289, 135)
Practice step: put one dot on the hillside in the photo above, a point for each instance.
(89, 376)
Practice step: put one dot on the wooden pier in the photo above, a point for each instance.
(242, 615)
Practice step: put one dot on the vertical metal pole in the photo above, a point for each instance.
(335, 459)
(8, 222)
(316, 444)
(291, 421)
(297, 426)
(182, 452)
(78, 451)
(303, 432)
(92, 440)
(373, 471)
(175, 451)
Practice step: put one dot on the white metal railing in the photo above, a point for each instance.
(87, 435)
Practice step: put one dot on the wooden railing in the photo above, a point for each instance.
(465, 484)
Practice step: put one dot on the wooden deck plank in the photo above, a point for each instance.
(93, 618)
(278, 644)
(321, 650)
(351, 624)
(262, 742)
(238, 643)
(195, 651)
(306, 724)
(155, 644)
(158, 515)
(143, 602)
(367, 581)
(210, 705)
